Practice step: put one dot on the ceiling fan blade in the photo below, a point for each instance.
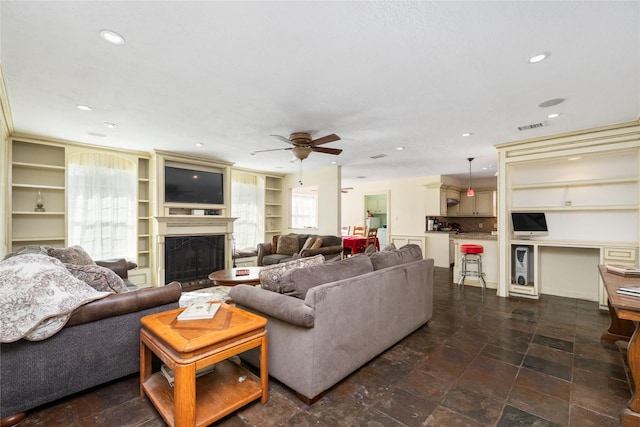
(283, 138)
(271, 149)
(326, 150)
(325, 140)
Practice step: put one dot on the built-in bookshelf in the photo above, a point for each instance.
(37, 170)
(273, 206)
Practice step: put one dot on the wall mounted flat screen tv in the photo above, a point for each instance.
(529, 224)
(193, 186)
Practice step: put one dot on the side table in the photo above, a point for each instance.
(189, 345)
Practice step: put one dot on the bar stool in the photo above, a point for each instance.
(472, 255)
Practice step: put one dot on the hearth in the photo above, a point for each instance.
(190, 259)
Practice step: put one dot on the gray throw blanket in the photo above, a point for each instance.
(38, 296)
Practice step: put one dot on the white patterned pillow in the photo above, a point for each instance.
(276, 277)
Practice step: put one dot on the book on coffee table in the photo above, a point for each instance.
(242, 272)
(200, 310)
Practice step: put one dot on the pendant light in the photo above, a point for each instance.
(470, 191)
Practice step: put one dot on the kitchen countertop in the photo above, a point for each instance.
(475, 236)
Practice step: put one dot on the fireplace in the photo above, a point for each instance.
(190, 259)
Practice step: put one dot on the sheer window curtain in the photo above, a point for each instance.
(246, 205)
(102, 205)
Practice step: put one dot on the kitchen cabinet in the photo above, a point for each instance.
(483, 203)
(437, 247)
(377, 205)
(436, 199)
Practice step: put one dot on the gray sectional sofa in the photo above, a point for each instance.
(344, 314)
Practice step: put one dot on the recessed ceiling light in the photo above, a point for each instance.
(83, 107)
(539, 57)
(199, 144)
(553, 115)
(334, 162)
(111, 125)
(112, 37)
(467, 134)
(399, 148)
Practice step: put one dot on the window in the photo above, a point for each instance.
(102, 203)
(246, 206)
(304, 207)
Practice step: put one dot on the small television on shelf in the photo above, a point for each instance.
(193, 186)
(528, 224)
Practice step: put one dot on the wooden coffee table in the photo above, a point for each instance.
(230, 277)
(187, 346)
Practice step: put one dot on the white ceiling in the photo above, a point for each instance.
(378, 74)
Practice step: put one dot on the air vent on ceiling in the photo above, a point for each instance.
(531, 126)
(378, 156)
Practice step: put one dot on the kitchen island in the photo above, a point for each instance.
(489, 257)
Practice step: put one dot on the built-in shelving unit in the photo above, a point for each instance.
(144, 214)
(273, 198)
(37, 167)
(588, 185)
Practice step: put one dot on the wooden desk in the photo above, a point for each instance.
(624, 311)
(186, 346)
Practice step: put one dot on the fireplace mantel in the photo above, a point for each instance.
(191, 225)
(185, 224)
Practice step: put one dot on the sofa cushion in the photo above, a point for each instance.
(277, 277)
(275, 259)
(304, 279)
(72, 255)
(405, 254)
(29, 249)
(99, 278)
(287, 245)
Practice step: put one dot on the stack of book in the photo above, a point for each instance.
(625, 270)
(629, 290)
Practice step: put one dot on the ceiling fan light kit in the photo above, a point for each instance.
(303, 145)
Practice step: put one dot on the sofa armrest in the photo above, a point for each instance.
(119, 266)
(126, 302)
(263, 249)
(289, 309)
(324, 250)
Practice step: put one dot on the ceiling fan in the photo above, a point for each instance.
(303, 145)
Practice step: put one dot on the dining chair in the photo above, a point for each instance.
(359, 231)
(346, 230)
(372, 234)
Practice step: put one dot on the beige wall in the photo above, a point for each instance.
(328, 181)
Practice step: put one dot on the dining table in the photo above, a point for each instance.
(356, 244)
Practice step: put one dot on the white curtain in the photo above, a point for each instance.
(102, 205)
(245, 205)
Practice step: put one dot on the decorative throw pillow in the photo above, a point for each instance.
(317, 243)
(304, 279)
(29, 249)
(308, 243)
(371, 249)
(72, 255)
(276, 277)
(287, 245)
(405, 254)
(99, 278)
(274, 244)
(389, 247)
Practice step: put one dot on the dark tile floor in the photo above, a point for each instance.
(480, 362)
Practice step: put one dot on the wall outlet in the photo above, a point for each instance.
(480, 225)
